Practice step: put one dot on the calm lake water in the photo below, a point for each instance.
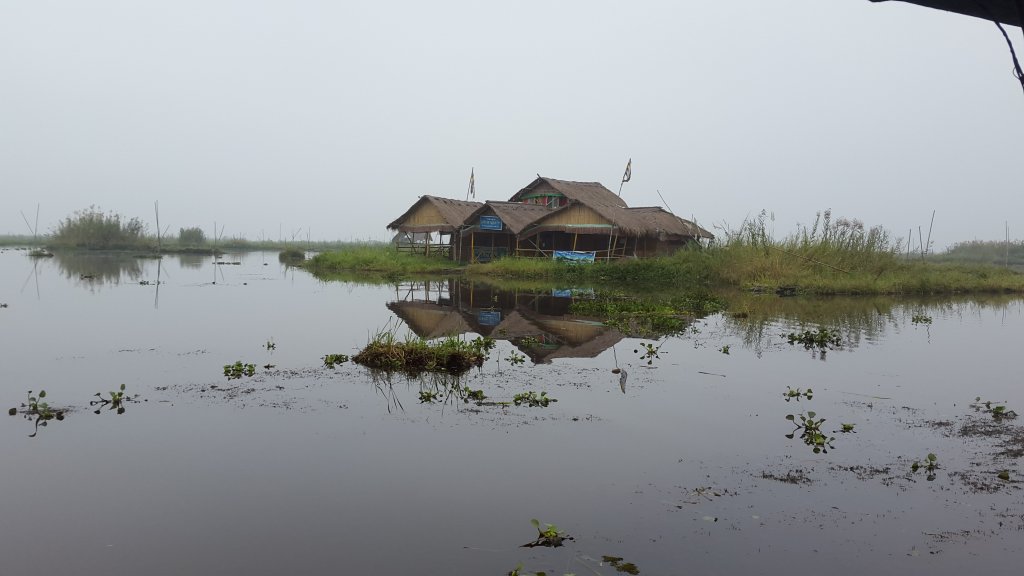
(680, 467)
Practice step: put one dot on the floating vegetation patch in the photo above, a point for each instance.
(529, 342)
(822, 338)
(810, 431)
(36, 408)
(797, 476)
(648, 351)
(331, 360)
(532, 399)
(921, 319)
(929, 464)
(473, 395)
(797, 394)
(415, 355)
(291, 256)
(847, 428)
(114, 400)
(549, 536)
(997, 410)
(237, 370)
(620, 564)
(514, 358)
(863, 471)
(428, 396)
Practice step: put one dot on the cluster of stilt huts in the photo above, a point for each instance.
(547, 219)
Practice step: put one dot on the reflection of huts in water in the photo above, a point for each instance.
(535, 322)
(429, 320)
(567, 337)
(549, 218)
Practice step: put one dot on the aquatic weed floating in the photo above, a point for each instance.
(415, 355)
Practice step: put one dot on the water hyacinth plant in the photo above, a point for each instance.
(237, 370)
(810, 431)
(114, 401)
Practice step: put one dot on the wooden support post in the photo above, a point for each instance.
(472, 248)
(574, 238)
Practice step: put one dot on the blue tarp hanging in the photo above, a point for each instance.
(572, 256)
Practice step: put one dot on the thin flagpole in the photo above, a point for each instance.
(627, 175)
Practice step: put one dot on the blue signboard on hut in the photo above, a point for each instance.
(490, 223)
(489, 317)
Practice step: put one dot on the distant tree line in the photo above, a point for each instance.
(996, 253)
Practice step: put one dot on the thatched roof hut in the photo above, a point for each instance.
(662, 223)
(649, 221)
(555, 193)
(515, 216)
(433, 214)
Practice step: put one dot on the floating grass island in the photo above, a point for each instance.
(415, 355)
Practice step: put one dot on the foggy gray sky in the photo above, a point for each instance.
(334, 116)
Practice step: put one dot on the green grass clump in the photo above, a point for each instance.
(380, 259)
(291, 256)
(415, 355)
(840, 256)
(92, 228)
(684, 268)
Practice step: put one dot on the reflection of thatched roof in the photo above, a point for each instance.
(646, 221)
(589, 349)
(589, 193)
(453, 214)
(512, 325)
(1004, 11)
(428, 320)
(514, 215)
(581, 338)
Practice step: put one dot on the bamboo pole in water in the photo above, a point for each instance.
(156, 208)
(928, 245)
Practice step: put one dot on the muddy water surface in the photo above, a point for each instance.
(680, 467)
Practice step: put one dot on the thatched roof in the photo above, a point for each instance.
(453, 214)
(589, 193)
(664, 222)
(644, 221)
(1004, 11)
(514, 215)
